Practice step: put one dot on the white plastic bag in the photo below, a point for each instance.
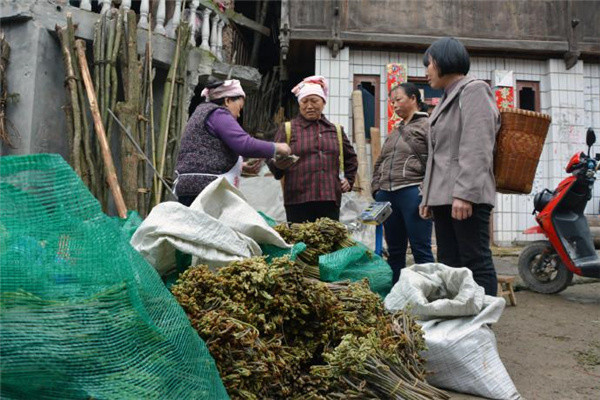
(454, 313)
(219, 227)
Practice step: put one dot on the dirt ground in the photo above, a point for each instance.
(550, 344)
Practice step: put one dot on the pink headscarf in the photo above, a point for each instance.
(311, 85)
(230, 88)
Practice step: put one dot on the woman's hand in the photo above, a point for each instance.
(284, 163)
(252, 167)
(345, 185)
(461, 209)
(425, 212)
(282, 149)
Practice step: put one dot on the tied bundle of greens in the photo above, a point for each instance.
(275, 334)
(321, 237)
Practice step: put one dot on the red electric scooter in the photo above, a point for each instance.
(547, 266)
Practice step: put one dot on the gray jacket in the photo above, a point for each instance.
(461, 146)
(398, 165)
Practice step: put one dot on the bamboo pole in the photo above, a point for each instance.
(96, 53)
(128, 112)
(113, 71)
(85, 136)
(143, 189)
(70, 82)
(375, 145)
(180, 107)
(109, 166)
(100, 193)
(107, 67)
(361, 143)
(101, 63)
(151, 99)
(165, 114)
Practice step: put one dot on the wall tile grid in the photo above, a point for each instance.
(336, 70)
(591, 100)
(571, 97)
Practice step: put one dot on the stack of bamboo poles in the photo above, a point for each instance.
(83, 159)
(173, 112)
(123, 83)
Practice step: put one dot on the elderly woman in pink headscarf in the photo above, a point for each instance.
(213, 143)
(327, 163)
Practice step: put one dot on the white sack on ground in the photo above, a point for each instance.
(462, 354)
(436, 290)
(219, 228)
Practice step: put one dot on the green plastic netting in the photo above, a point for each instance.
(82, 314)
(356, 263)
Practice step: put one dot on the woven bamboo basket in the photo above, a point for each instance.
(518, 149)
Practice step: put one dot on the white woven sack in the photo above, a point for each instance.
(454, 313)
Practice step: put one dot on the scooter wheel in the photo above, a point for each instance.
(542, 270)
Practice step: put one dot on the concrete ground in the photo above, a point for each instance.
(550, 344)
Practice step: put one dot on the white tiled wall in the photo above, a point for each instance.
(571, 97)
(591, 102)
(336, 70)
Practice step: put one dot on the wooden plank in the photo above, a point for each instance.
(247, 22)
(375, 145)
(529, 46)
(361, 145)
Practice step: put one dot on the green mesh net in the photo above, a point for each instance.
(356, 263)
(82, 314)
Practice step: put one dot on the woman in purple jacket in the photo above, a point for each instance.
(213, 143)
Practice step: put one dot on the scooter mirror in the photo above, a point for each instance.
(590, 137)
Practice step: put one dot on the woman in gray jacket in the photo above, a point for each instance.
(397, 175)
(459, 189)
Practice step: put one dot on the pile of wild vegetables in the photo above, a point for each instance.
(321, 237)
(278, 335)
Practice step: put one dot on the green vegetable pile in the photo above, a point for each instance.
(321, 237)
(276, 334)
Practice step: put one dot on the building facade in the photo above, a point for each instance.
(556, 77)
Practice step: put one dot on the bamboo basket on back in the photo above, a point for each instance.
(518, 149)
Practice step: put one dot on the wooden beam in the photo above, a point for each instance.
(247, 22)
(238, 18)
(528, 46)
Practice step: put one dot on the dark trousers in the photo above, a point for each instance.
(466, 243)
(310, 211)
(404, 226)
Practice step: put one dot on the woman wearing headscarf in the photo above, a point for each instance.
(459, 189)
(214, 143)
(313, 185)
(397, 175)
